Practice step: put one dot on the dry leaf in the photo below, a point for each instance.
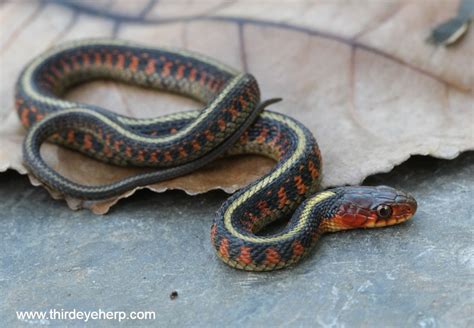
(359, 75)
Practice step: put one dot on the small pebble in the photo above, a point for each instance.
(173, 295)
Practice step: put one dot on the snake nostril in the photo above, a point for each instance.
(413, 205)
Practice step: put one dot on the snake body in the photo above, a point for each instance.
(231, 122)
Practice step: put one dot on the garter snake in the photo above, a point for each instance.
(231, 122)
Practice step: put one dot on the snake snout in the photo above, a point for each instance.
(407, 201)
(402, 206)
(412, 204)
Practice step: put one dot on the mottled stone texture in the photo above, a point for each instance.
(416, 274)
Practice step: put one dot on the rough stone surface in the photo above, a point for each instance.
(416, 274)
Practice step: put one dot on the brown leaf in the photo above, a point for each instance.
(359, 75)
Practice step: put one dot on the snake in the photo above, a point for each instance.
(232, 120)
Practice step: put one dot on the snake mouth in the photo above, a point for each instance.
(388, 222)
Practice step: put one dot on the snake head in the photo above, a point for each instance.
(371, 207)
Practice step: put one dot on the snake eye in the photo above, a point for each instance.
(384, 211)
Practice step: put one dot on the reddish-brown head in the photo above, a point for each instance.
(370, 207)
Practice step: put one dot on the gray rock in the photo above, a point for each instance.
(416, 274)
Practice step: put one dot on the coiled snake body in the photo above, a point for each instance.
(232, 122)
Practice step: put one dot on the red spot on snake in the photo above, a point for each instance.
(128, 151)
(108, 59)
(317, 152)
(216, 85)
(85, 59)
(233, 112)
(24, 117)
(262, 136)
(300, 186)
(182, 152)
(50, 78)
(87, 142)
(180, 72)
(56, 71)
(75, 63)
(133, 63)
(107, 151)
(154, 157)
(272, 256)
(166, 71)
(192, 74)
(117, 144)
(97, 59)
(202, 80)
(244, 138)
(242, 101)
(312, 170)
(65, 66)
(209, 135)
(150, 67)
(245, 256)
(173, 130)
(168, 157)
(196, 145)
(211, 83)
(55, 136)
(264, 208)
(140, 156)
(224, 248)
(298, 249)
(253, 218)
(120, 61)
(213, 233)
(71, 137)
(222, 124)
(282, 198)
(250, 222)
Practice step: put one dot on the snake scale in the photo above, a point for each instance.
(232, 121)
